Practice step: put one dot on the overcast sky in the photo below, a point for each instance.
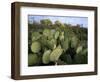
(64, 19)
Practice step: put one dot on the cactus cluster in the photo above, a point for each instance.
(56, 46)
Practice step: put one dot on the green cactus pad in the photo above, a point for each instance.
(60, 62)
(68, 59)
(46, 32)
(81, 59)
(35, 36)
(62, 36)
(85, 51)
(74, 42)
(65, 44)
(79, 50)
(51, 43)
(46, 57)
(55, 54)
(32, 59)
(56, 34)
(36, 47)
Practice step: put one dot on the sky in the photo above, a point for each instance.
(64, 19)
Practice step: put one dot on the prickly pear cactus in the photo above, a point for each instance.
(79, 49)
(85, 51)
(68, 59)
(46, 32)
(74, 42)
(55, 54)
(56, 34)
(35, 47)
(62, 36)
(56, 45)
(46, 57)
(32, 59)
(35, 36)
(65, 44)
(51, 43)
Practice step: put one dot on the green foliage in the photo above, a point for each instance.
(59, 24)
(46, 22)
(74, 42)
(55, 54)
(65, 44)
(46, 57)
(57, 34)
(68, 59)
(62, 36)
(35, 36)
(81, 59)
(32, 59)
(51, 43)
(85, 51)
(79, 50)
(60, 62)
(81, 56)
(36, 47)
(46, 32)
(56, 44)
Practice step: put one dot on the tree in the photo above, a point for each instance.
(59, 24)
(46, 22)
